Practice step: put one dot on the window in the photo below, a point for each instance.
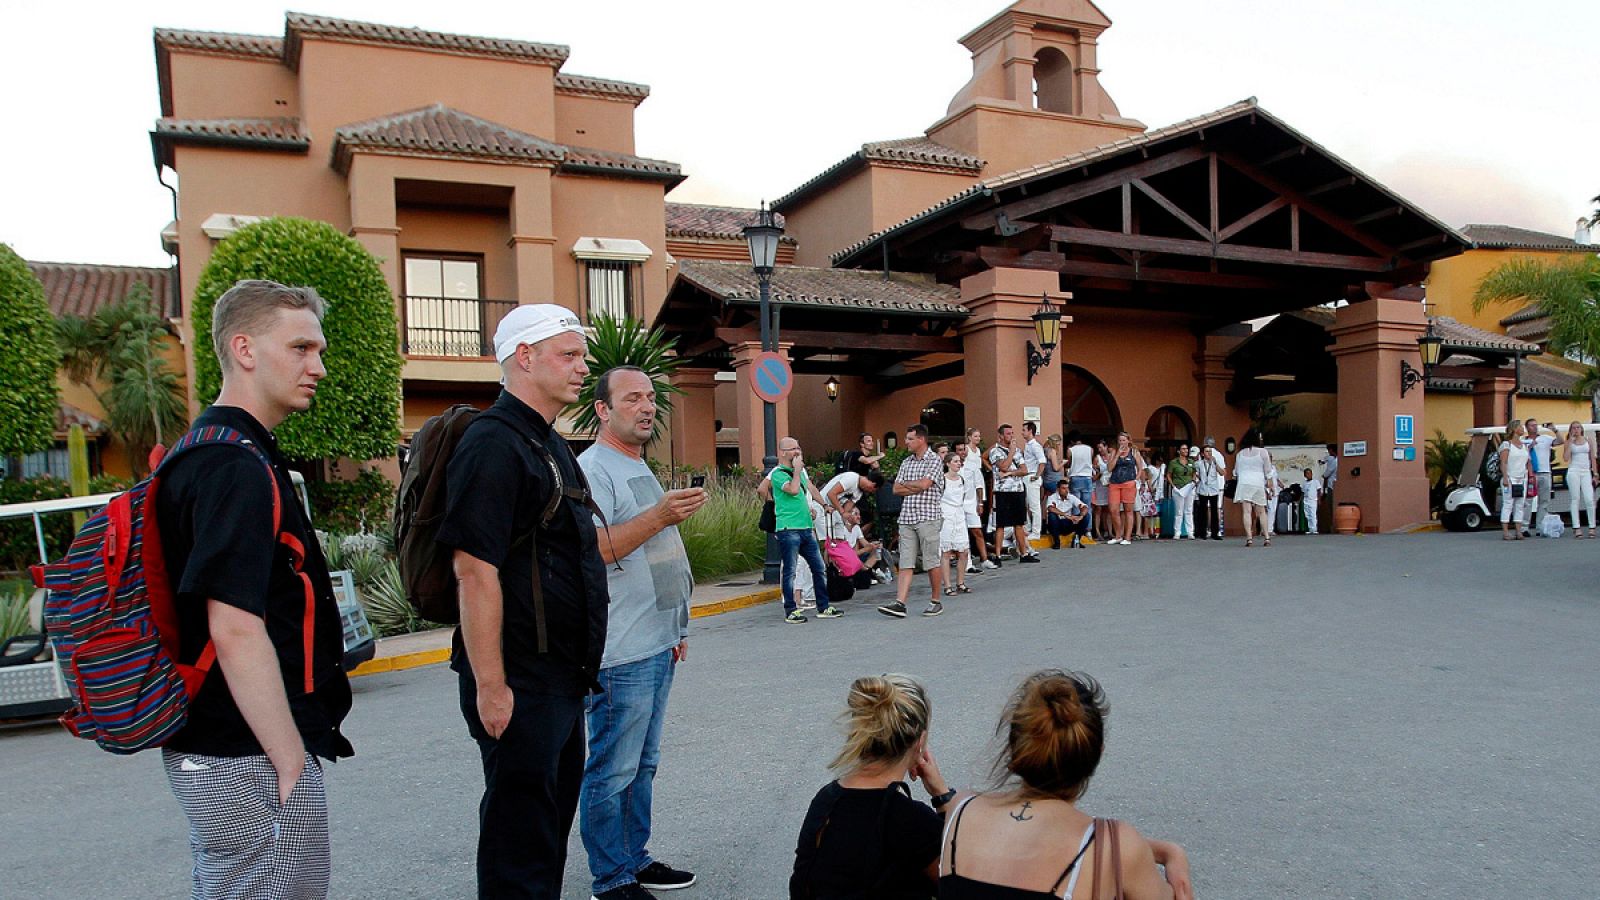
(611, 276)
(444, 305)
(1053, 84)
(609, 288)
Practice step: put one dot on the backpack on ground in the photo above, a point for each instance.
(112, 617)
(427, 568)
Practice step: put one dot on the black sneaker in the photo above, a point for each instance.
(658, 876)
(629, 891)
(933, 609)
(1031, 558)
(794, 618)
(896, 609)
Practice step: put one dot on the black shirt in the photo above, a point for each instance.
(496, 491)
(866, 844)
(214, 510)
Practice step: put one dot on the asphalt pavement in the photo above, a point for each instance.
(1333, 717)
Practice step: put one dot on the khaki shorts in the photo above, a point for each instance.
(919, 546)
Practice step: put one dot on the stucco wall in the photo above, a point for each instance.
(216, 87)
(592, 122)
(831, 220)
(1008, 139)
(898, 194)
(605, 208)
(345, 83)
(424, 230)
(1145, 360)
(1452, 282)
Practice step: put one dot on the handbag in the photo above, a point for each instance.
(1230, 487)
(1518, 491)
(1107, 852)
(768, 520)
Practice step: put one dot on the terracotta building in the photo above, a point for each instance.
(479, 173)
(483, 175)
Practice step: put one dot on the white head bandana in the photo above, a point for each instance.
(531, 323)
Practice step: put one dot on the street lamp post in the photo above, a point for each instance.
(763, 240)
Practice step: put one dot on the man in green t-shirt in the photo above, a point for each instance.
(792, 493)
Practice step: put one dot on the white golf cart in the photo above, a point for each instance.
(1475, 501)
(30, 681)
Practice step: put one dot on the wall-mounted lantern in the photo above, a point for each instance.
(832, 384)
(1047, 329)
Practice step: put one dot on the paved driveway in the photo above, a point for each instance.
(1334, 717)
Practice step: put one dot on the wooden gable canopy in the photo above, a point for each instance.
(1228, 217)
(895, 331)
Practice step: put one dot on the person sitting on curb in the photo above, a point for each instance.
(1066, 514)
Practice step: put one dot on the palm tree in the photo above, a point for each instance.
(625, 342)
(118, 355)
(1568, 294)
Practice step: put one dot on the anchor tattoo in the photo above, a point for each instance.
(1022, 816)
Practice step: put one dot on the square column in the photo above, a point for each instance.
(751, 441)
(694, 417)
(533, 237)
(1492, 400)
(372, 216)
(1217, 417)
(1371, 339)
(994, 341)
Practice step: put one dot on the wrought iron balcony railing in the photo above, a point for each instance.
(451, 326)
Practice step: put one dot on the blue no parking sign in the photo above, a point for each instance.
(1404, 430)
(770, 377)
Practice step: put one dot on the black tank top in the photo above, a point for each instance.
(960, 887)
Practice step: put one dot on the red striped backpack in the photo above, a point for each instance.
(113, 622)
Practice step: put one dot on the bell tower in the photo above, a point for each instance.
(1035, 91)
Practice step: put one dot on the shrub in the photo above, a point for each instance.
(361, 504)
(19, 547)
(388, 611)
(28, 358)
(625, 342)
(722, 538)
(357, 410)
(14, 618)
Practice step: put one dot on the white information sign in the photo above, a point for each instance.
(1355, 448)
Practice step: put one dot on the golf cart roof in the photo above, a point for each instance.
(65, 504)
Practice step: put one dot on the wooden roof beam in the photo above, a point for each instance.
(1186, 247)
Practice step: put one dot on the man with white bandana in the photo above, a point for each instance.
(526, 659)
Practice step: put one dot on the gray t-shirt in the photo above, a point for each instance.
(650, 597)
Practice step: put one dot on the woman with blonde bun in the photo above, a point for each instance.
(864, 837)
(1029, 840)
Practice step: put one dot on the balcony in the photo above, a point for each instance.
(450, 327)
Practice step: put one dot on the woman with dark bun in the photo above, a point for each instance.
(864, 837)
(1029, 840)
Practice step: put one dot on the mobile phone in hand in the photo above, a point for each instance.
(698, 481)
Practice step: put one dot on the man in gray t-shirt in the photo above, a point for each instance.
(646, 637)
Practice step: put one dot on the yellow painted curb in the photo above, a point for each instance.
(732, 603)
(432, 657)
(403, 661)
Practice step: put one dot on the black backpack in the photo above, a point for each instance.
(427, 568)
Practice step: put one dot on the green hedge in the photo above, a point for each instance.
(357, 410)
(347, 507)
(28, 360)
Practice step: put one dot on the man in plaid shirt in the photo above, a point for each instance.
(919, 483)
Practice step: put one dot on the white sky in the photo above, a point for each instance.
(1477, 111)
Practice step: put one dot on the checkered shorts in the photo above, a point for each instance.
(246, 846)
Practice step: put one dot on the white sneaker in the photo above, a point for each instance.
(1126, 542)
(989, 564)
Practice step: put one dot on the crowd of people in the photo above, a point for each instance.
(962, 510)
(1527, 479)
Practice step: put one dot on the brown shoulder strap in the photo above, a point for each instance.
(1099, 858)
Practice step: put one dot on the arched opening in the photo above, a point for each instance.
(1167, 428)
(945, 418)
(1052, 81)
(1087, 407)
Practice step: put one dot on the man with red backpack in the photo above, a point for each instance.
(533, 602)
(246, 765)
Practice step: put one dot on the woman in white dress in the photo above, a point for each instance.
(953, 532)
(1583, 473)
(1513, 481)
(1253, 492)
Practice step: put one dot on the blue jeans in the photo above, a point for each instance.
(1083, 489)
(796, 543)
(619, 777)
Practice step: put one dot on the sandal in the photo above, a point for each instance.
(1249, 541)
(963, 589)
(1267, 542)
(949, 592)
